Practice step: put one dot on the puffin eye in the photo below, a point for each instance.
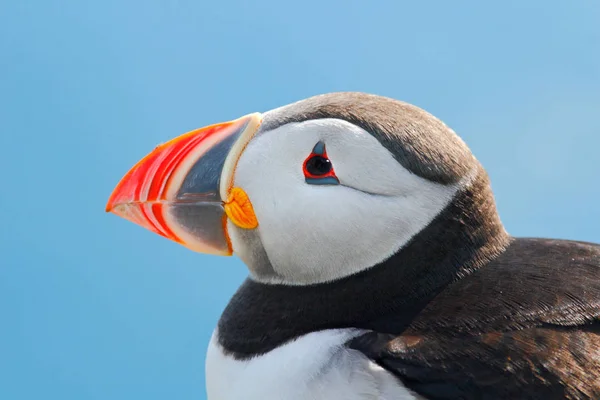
(318, 165)
(318, 168)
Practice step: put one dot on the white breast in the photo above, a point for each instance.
(314, 366)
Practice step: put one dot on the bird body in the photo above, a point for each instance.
(379, 267)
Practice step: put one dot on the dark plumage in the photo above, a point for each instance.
(526, 326)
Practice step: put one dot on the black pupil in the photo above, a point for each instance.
(318, 165)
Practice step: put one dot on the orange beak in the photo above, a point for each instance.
(182, 190)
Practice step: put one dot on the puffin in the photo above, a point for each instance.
(378, 266)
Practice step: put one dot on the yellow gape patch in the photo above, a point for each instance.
(239, 209)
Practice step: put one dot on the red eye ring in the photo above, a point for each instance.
(318, 168)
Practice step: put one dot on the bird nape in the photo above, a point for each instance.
(378, 265)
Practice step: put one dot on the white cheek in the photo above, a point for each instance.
(326, 239)
(314, 233)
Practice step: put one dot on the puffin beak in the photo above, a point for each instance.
(183, 189)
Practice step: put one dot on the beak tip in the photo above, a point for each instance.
(112, 203)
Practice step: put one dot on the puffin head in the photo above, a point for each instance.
(308, 193)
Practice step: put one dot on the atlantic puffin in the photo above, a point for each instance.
(378, 265)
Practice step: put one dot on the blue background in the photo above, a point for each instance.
(94, 307)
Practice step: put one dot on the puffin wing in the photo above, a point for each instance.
(546, 362)
(524, 326)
